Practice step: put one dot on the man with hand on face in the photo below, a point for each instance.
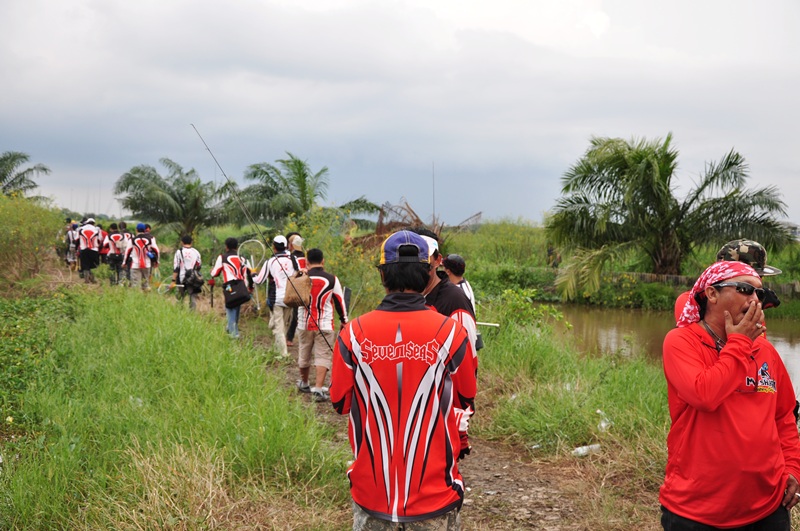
(733, 448)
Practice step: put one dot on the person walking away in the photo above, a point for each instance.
(126, 264)
(72, 241)
(733, 453)
(446, 298)
(89, 249)
(276, 273)
(232, 267)
(142, 253)
(315, 325)
(103, 247)
(406, 377)
(149, 231)
(296, 250)
(454, 266)
(187, 259)
(116, 244)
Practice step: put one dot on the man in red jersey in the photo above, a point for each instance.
(89, 249)
(733, 449)
(406, 376)
(315, 325)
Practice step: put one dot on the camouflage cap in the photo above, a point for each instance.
(751, 253)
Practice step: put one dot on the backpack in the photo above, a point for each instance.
(192, 278)
(142, 242)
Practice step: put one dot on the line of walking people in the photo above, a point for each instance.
(130, 257)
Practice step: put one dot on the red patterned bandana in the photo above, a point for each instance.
(716, 272)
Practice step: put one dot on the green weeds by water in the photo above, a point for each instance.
(547, 394)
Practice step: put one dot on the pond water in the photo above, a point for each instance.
(598, 331)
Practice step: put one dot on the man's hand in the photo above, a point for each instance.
(750, 325)
(172, 285)
(466, 448)
(792, 494)
(462, 421)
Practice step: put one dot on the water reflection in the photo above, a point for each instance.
(602, 330)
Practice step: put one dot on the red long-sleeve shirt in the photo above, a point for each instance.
(733, 440)
(404, 372)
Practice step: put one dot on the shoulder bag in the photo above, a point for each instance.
(236, 293)
(298, 288)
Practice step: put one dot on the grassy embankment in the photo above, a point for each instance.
(138, 414)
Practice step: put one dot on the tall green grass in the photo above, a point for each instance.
(29, 231)
(545, 393)
(538, 390)
(140, 397)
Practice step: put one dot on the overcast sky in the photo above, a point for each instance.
(456, 105)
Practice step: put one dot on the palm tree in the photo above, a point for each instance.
(619, 199)
(292, 188)
(16, 181)
(288, 188)
(180, 201)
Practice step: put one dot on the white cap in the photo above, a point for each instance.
(433, 245)
(280, 239)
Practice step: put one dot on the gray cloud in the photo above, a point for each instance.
(499, 99)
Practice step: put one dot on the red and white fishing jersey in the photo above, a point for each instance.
(138, 250)
(448, 299)
(326, 295)
(104, 249)
(405, 374)
(231, 265)
(277, 272)
(301, 259)
(116, 243)
(465, 286)
(186, 259)
(89, 238)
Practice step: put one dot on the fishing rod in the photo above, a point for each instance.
(252, 222)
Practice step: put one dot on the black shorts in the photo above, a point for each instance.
(89, 259)
(115, 260)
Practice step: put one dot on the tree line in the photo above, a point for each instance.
(619, 200)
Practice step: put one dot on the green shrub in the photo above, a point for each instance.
(655, 296)
(328, 230)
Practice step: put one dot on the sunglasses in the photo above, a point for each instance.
(742, 287)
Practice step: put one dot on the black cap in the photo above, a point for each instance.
(455, 263)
